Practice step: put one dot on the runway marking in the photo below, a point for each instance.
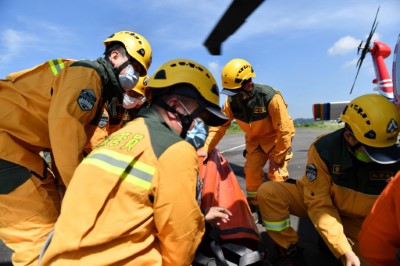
(234, 148)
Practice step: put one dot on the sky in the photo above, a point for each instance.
(307, 49)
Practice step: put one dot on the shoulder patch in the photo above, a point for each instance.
(86, 99)
(103, 120)
(311, 172)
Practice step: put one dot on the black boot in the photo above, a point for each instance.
(292, 256)
(255, 211)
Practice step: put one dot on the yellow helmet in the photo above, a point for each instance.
(185, 71)
(136, 45)
(374, 121)
(234, 73)
(141, 85)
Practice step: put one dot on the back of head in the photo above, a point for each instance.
(235, 72)
(374, 121)
(136, 45)
(190, 79)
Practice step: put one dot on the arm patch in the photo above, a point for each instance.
(86, 99)
(103, 120)
(311, 172)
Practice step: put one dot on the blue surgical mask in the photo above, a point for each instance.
(129, 79)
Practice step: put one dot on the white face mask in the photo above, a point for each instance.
(129, 79)
(130, 102)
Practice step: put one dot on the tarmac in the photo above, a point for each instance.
(231, 147)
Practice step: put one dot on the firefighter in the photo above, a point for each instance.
(380, 233)
(261, 112)
(49, 108)
(141, 208)
(346, 171)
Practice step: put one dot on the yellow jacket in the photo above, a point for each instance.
(264, 120)
(48, 108)
(106, 126)
(336, 185)
(136, 194)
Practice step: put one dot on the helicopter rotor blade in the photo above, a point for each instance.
(366, 48)
(233, 18)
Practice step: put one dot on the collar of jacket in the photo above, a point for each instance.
(154, 116)
(111, 86)
(333, 148)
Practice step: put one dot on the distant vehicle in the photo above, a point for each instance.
(384, 84)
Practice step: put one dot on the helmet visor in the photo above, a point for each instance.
(216, 117)
(230, 92)
(386, 155)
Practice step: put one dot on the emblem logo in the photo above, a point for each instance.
(103, 121)
(392, 126)
(337, 169)
(86, 99)
(311, 172)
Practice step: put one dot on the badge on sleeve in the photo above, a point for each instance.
(103, 120)
(86, 99)
(311, 172)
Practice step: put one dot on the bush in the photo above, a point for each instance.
(332, 125)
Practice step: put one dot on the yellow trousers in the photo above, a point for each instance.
(277, 200)
(254, 171)
(27, 215)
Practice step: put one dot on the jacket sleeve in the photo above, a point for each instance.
(283, 126)
(76, 94)
(316, 184)
(215, 134)
(179, 221)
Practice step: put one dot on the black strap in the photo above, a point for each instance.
(202, 259)
(219, 254)
(247, 256)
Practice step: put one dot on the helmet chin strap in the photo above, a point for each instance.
(354, 147)
(117, 70)
(359, 155)
(186, 120)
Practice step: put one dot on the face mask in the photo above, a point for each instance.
(129, 102)
(186, 121)
(362, 157)
(129, 79)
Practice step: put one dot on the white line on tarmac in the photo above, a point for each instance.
(234, 148)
